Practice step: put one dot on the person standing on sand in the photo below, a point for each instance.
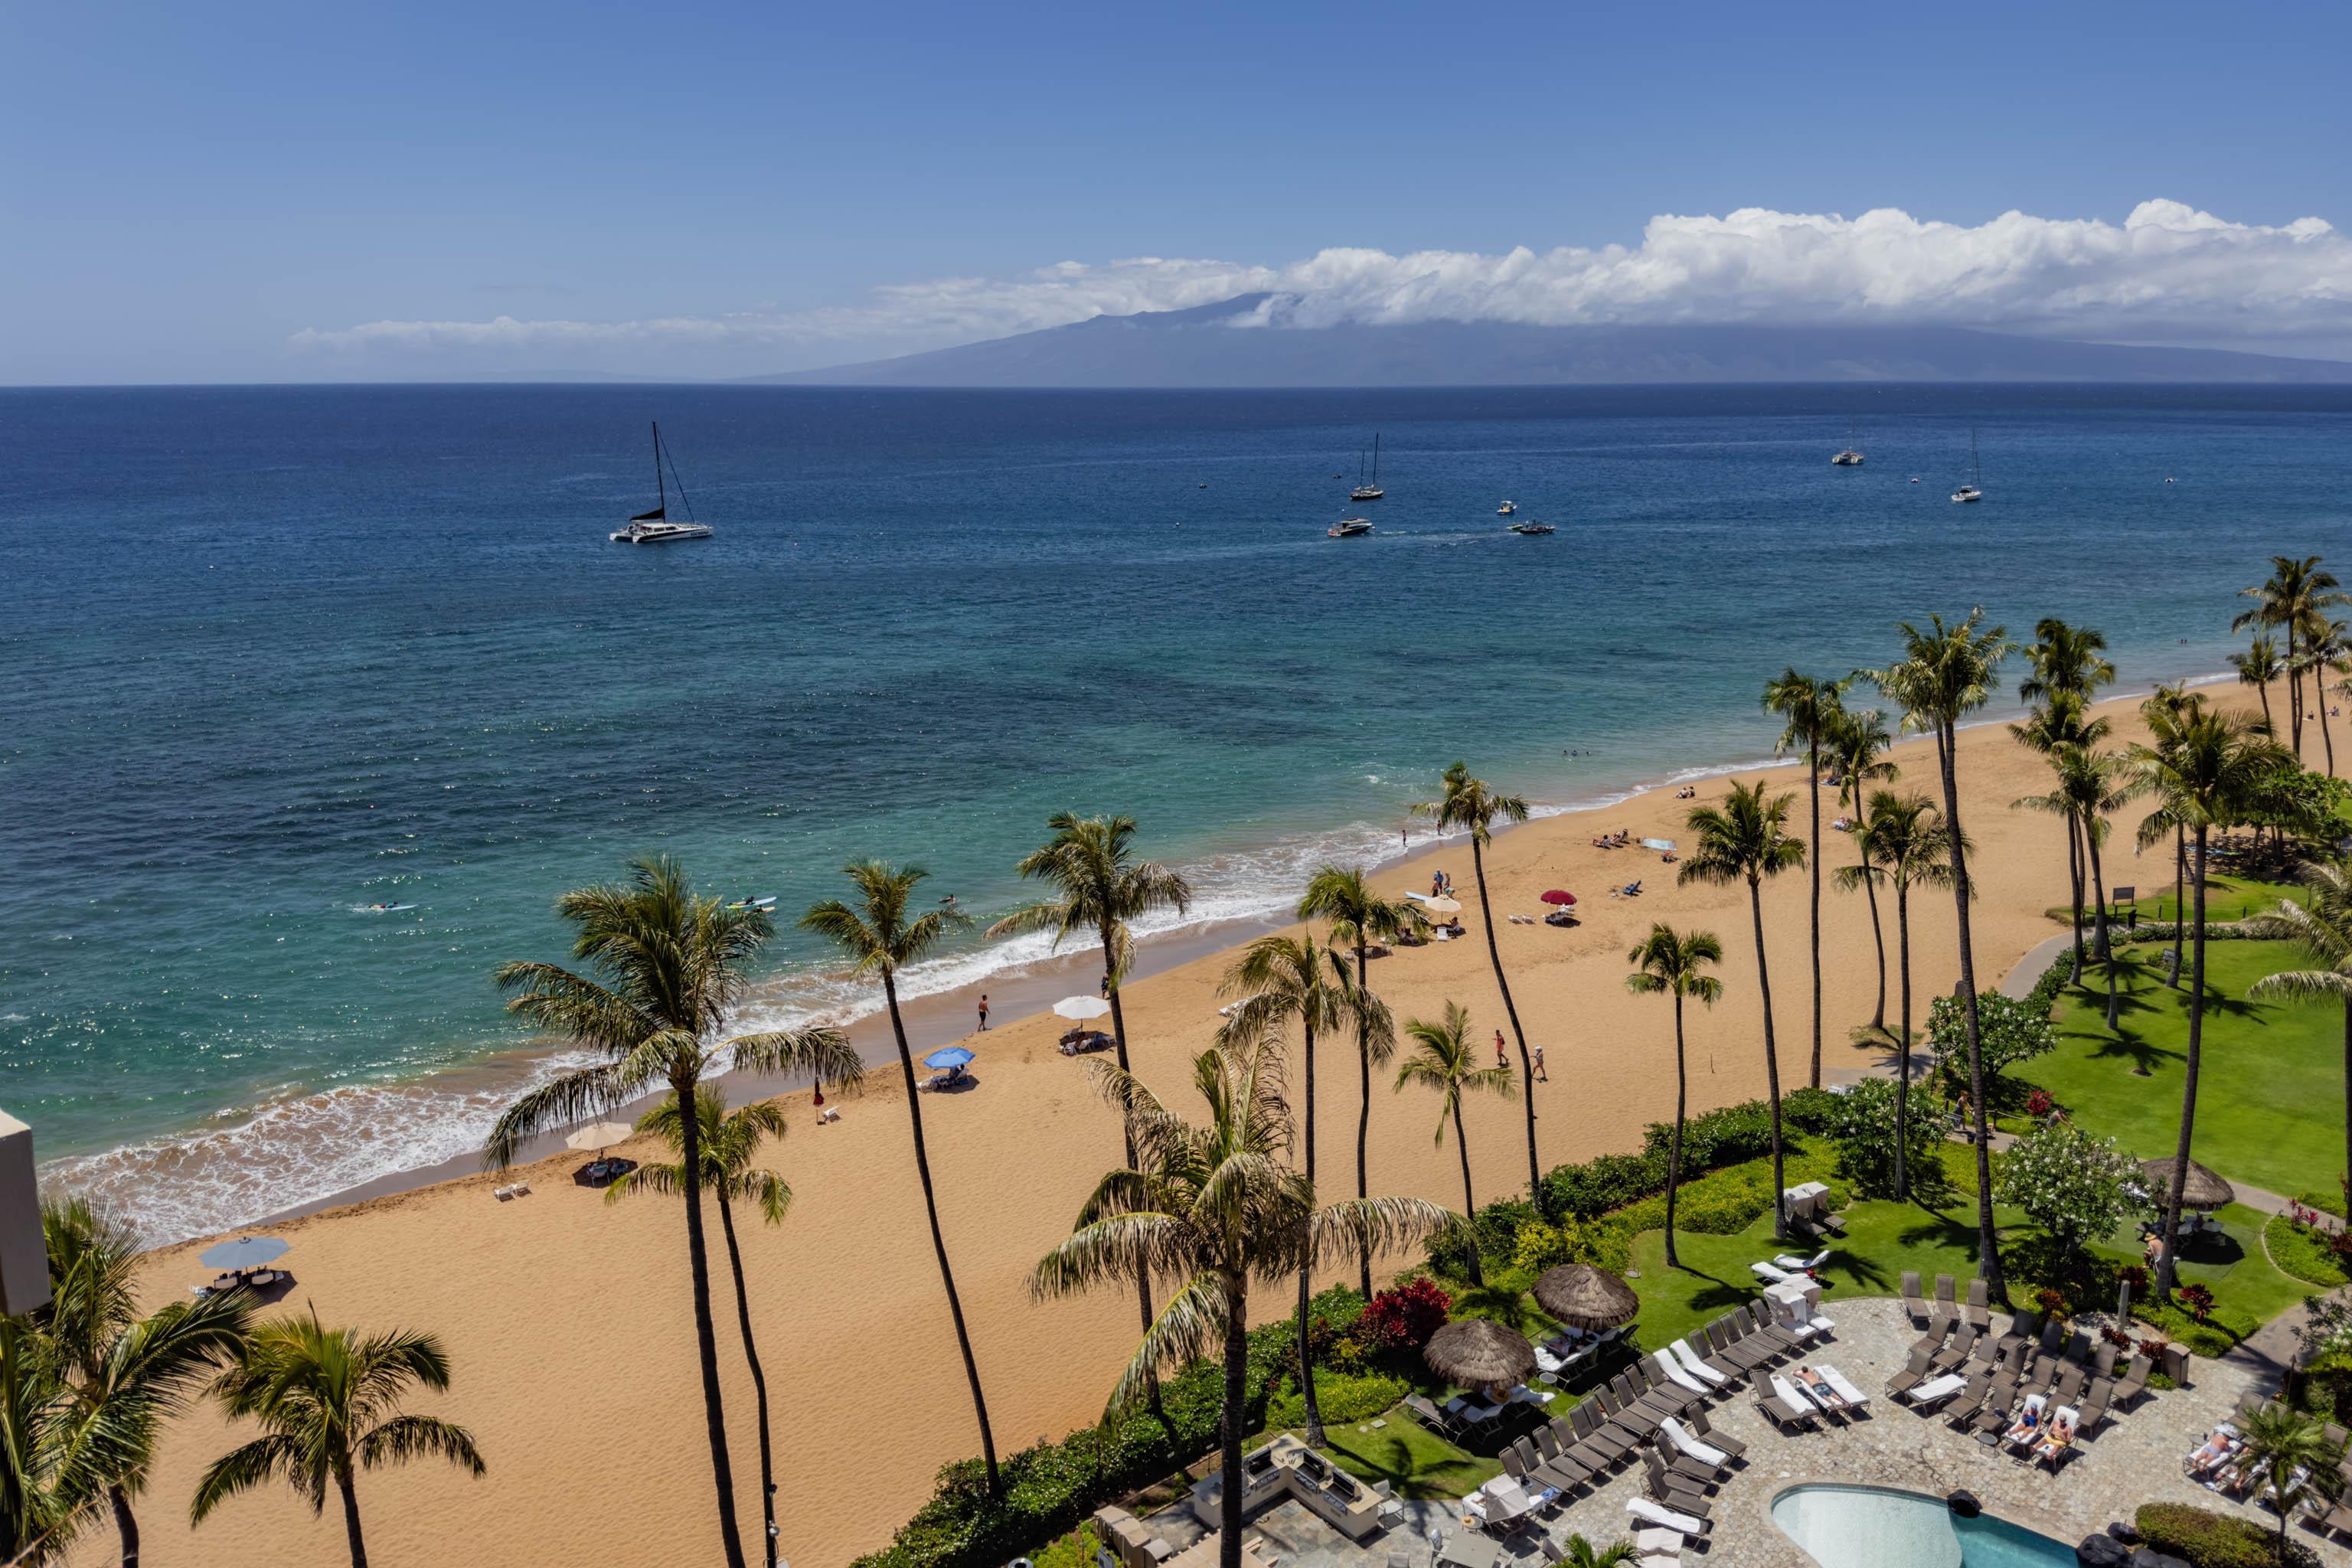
(1540, 1074)
(984, 1009)
(1500, 1059)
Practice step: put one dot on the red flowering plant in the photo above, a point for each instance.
(2197, 1297)
(2039, 1104)
(1404, 1318)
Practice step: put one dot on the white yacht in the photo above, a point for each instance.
(1369, 489)
(1851, 456)
(1971, 491)
(655, 527)
(1506, 509)
(1348, 528)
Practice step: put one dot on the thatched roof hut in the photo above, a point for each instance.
(1478, 1353)
(1584, 1296)
(2203, 1191)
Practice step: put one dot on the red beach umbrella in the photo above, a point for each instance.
(1558, 897)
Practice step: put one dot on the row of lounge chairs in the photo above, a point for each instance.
(1945, 1312)
(2033, 1390)
(2221, 1464)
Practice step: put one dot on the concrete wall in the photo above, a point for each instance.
(23, 1260)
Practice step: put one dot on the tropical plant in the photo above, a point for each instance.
(2175, 700)
(1582, 1553)
(1469, 803)
(1103, 889)
(1857, 754)
(666, 972)
(1814, 709)
(2258, 667)
(882, 935)
(1668, 964)
(1359, 919)
(2202, 768)
(1444, 1058)
(2091, 785)
(2322, 929)
(2008, 1032)
(1947, 672)
(1903, 841)
(1210, 1208)
(1746, 839)
(120, 1376)
(2064, 661)
(327, 1402)
(1882, 1136)
(2325, 644)
(729, 1143)
(2062, 725)
(2075, 1186)
(2288, 600)
(2286, 1450)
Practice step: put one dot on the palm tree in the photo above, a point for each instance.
(50, 1480)
(667, 970)
(328, 1403)
(2285, 1451)
(1210, 1208)
(1443, 1057)
(2175, 700)
(1284, 977)
(2258, 667)
(1857, 754)
(2323, 931)
(730, 1142)
(1583, 1553)
(1091, 862)
(1359, 917)
(1903, 842)
(1668, 964)
(1746, 839)
(1946, 673)
(879, 935)
(2324, 646)
(1469, 803)
(2089, 786)
(121, 1374)
(2203, 768)
(2061, 722)
(2065, 661)
(1814, 709)
(2296, 590)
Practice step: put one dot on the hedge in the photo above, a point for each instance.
(2207, 1539)
(1732, 1135)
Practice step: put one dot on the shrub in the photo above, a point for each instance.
(1339, 1396)
(2326, 1203)
(2204, 1538)
(1863, 1130)
(2052, 1302)
(2312, 1256)
(1404, 1318)
(2008, 1032)
(2197, 1297)
(1603, 1243)
(2073, 1185)
(2039, 1104)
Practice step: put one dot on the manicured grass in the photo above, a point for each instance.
(2226, 898)
(1410, 1456)
(2270, 1100)
(2301, 1254)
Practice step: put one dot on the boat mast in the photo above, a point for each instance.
(660, 489)
(1376, 456)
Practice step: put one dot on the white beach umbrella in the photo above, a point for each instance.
(600, 1135)
(1441, 906)
(1081, 1007)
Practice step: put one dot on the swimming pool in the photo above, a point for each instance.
(1880, 1527)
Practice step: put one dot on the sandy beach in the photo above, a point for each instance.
(567, 1319)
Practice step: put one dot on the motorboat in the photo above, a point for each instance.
(1851, 456)
(1348, 528)
(1531, 528)
(1506, 509)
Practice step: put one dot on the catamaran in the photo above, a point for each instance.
(1369, 489)
(1971, 491)
(654, 527)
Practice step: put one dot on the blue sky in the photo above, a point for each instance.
(720, 189)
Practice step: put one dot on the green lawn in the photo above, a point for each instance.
(2226, 898)
(1410, 1456)
(2270, 1102)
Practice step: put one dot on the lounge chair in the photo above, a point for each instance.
(1707, 1434)
(1657, 1541)
(1670, 1490)
(1773, 1332)
(1691, 1447)
(1943, 1312)
(1674, 1373)
(1952, 1355)
(1698, 1367)
(2104, 1363)
(2058, 1445)
(1682, 1469)
(2096, 1400)
(2026, 1430)
(1420, 1408)
(2132, 1383)
(1839, 1384)
(1978, 1314)
(1935, 1391)
(1796, 1265)
(2069, 1382)
(1667, 1519)
(1798, 1396)
(1972, 1398)
(2021, 1329)
(1770, 1273)
(1782, 1414)
(1910, 1377)
(1913, 1304)
(1731, 1341)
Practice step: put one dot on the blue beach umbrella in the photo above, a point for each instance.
(245, 1252)
(948, 1057)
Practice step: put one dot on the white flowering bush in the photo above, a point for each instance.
(2075, 1186)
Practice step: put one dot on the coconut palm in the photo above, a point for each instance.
(1470, 803)
(1444, 1058)
(2296, 590)
(2325, 644)
(121, 1374)
(2323, 929)
(2175, 700)
(2089, 786)
(1814, 709)
(882, 935)
(1669, 963)
(2063, 722)
(1103, 889)
(1857, 754)
(2065, 660)
(1360, 918)
(1281, 978)
(2258, 667)
(328, 1401)
(666, 970)
(1210, 1208)
(1903, 842)
(1582, 1553)
(730, 1142)
(2203, 768)
(1746, 839)
(57, 1454)
(2286, 1450)
(1947, 672)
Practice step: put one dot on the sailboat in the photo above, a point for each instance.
(1370, 491)
(1970, 491)
(1851, 456)
(655, 527)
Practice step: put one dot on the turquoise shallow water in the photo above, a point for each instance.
(277, 653)
(1882, 1527)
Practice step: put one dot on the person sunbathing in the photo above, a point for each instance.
(2062, 1434)
(2028, 1428)
(2206, 1461)
(1817, 1389)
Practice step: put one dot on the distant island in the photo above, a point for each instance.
(1226, 344)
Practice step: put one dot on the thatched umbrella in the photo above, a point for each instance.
(2203, 1191)
(1584, 1296)
(1478, 1353)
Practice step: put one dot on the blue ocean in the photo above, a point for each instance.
(279, 655)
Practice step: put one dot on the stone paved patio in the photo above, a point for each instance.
(2135, 1458)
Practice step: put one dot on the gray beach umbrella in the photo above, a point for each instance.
(1584, 1296)
(2203, 1191)
(1478, 1353)
(245, 1252)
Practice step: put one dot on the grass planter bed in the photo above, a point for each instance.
(2303, 1254)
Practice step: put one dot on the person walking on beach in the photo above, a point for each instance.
(984, 1009)
(1539, 1067)
(1501, 1060)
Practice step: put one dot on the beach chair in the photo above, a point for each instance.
(1546, 1441)
(1971, 1399)
(1705, 1432)
(1958, 1351)
(2057, 1448)
(1596, 1438)
(1731, 1344)
(1935, 1391)
(1691, 1447)
(1771, 1332)
(1988, 1424)
(2054, 1334)
(1681, 1469)
(1698, 1367)
(2104, 1363)
(1675, 1373)
(1913, 1305)
(1978, 1314)
(2023, 1328)
(2134, 1382)
(1796, 1265)
(1770, 1273)
(2026, 1430)
(1914, 1373)
(1787, 1417)
(1943, 1312)
(1665, 1489)
(1798, 1396)
(2096, 1400)
(1664, 1518)
(1420, 1408)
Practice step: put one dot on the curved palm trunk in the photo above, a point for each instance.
(1771, 1061)
(1987, 1238)
(2188, 1081)
(1126, 1138)
(1229, 1546)
(706, 1337)
(1527, 1069)
(2179, 897)
(2264, 687)
(125, 1525)
(939, 1242)
(1877, 941)
(1814, 768)
(2326, 737)
(1306, 1286)
(758, 1376)
(1364, 1114)
(2101, 944)
(2075, 881)
(351, 1515)
(1903, 1068)
(1674, 1148)
(2293, 694)
(1469, 1200)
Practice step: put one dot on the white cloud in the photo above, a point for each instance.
(2169, 274)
